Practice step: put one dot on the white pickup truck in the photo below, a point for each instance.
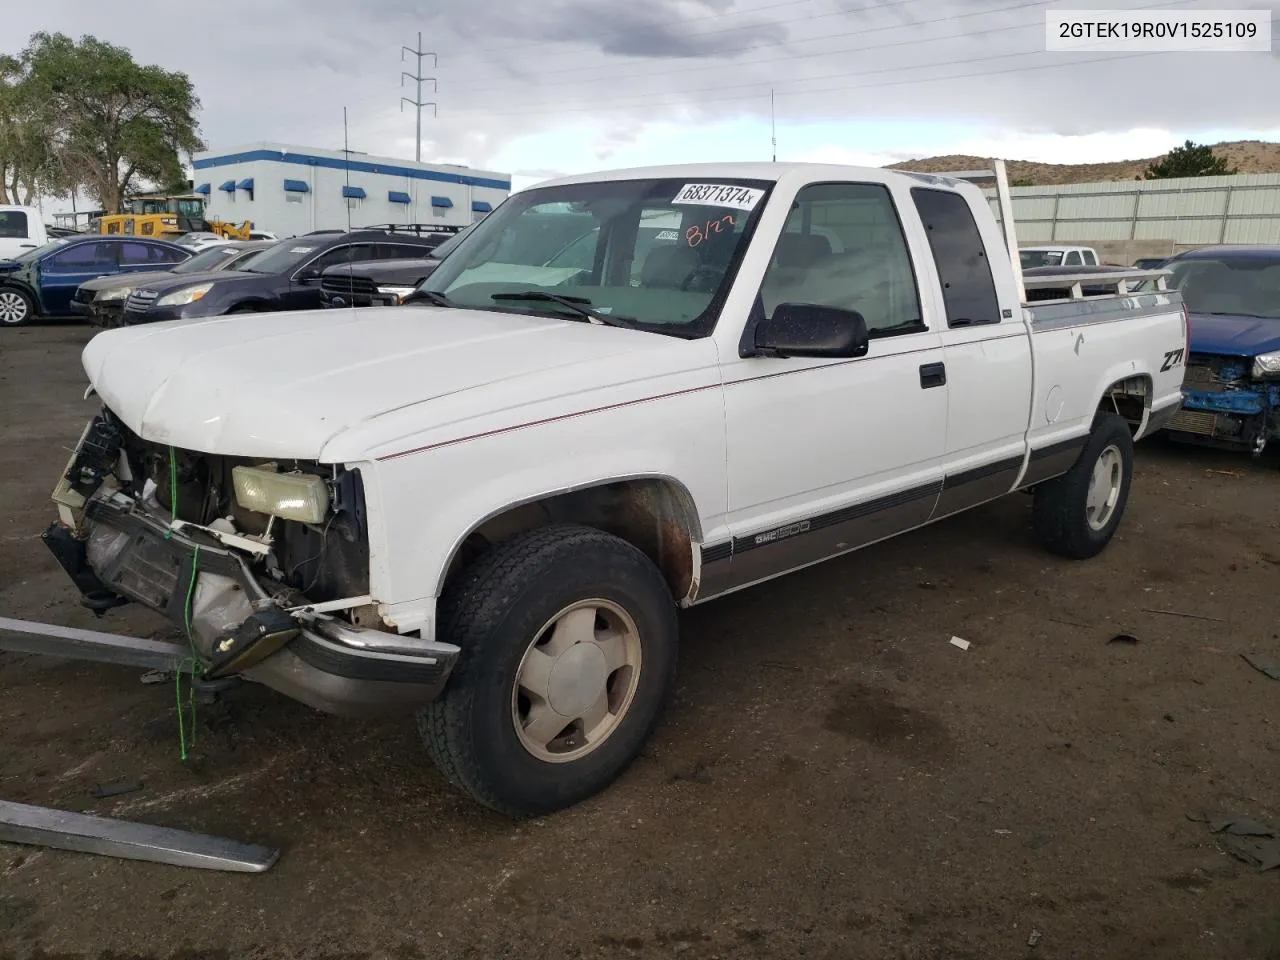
(487, 506)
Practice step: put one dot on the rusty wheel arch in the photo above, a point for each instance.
(655, 514)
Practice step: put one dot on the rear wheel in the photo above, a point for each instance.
(15, 307)
(1077, 514)
(568, 640)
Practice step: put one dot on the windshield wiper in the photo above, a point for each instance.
(439, 299)
(579, 305)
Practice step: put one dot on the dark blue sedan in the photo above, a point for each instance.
(1231, 389)
(41, 282)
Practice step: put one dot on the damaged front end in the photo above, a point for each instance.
(1225, 405)
(264, 567)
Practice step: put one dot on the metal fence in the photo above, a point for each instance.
(1194, 211)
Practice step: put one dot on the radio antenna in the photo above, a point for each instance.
(346, 164)
(773, 126)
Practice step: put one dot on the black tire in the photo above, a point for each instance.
(494, 612)
(16, 307)
(1060, 513)
(243, 308)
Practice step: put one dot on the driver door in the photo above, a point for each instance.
(826, 455)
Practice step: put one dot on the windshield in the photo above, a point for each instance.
(446, 247)
(1040, 258)
(283, 257)
(1244, 286)
(206, 260)
(40, 251)
(654, 253)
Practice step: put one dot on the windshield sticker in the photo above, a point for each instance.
(301, 249)
(719, 195)
(667, 235)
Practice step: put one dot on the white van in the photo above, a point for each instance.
(21, 229)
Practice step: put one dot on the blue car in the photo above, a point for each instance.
(1231, 388)
(41, 282)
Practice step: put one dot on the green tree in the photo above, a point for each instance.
(1188, 160)
(110, 124)
(27, 165)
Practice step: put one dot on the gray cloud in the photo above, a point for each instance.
(284, 70)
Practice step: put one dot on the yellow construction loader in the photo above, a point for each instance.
(168, 216)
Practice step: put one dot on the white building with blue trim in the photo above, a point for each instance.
(292, 190)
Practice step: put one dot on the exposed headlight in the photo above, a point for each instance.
(1266, 365)
(184, 296)
(114, 293)
(395, 291)
(289, 496)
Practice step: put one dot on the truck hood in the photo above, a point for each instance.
(283, 385)
(1233, 336)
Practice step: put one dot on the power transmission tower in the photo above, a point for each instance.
(417, 103)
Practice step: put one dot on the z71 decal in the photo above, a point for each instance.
(1172, 359)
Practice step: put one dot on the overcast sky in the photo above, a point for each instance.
(539, 87)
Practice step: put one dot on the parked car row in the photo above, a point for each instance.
(116, 280)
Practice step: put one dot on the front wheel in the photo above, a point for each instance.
(568, 638)
(1076, 515)
(15, 307)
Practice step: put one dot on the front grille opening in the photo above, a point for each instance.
(325, 561)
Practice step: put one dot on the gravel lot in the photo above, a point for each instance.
(834, 780)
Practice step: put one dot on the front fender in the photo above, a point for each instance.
(424, 504)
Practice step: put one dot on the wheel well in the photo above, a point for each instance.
(1130, 398)
(655, 515)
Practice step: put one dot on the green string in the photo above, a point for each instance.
(191, 666)
(173, 492)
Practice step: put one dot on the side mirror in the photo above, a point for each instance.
(418, 296)
(808, 330)
(307, 274)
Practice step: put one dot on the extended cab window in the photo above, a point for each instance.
(1073, 259)
(1090, 259)
(13, 224)
(843, 246)
(968, 289)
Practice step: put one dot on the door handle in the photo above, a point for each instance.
(932, 375)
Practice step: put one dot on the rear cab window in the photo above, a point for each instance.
(13, 225)
(968, 288)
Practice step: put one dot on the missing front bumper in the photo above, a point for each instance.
(235, 627)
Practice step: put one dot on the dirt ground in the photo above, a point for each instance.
(835, 779)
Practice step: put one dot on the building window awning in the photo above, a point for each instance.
(203, 188)
(399, 196)
(481, 206)
(228, 187)
(441, 202)
(353, 193)
(245, 184)
(296, 186)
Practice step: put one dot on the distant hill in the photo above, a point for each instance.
(1247, 156)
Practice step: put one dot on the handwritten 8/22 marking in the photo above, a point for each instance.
(701, 231)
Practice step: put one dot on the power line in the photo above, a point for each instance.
(418, 103)
(689, 94)
(623, 31)
(541, 55)
(824, 53)
(600, 108)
